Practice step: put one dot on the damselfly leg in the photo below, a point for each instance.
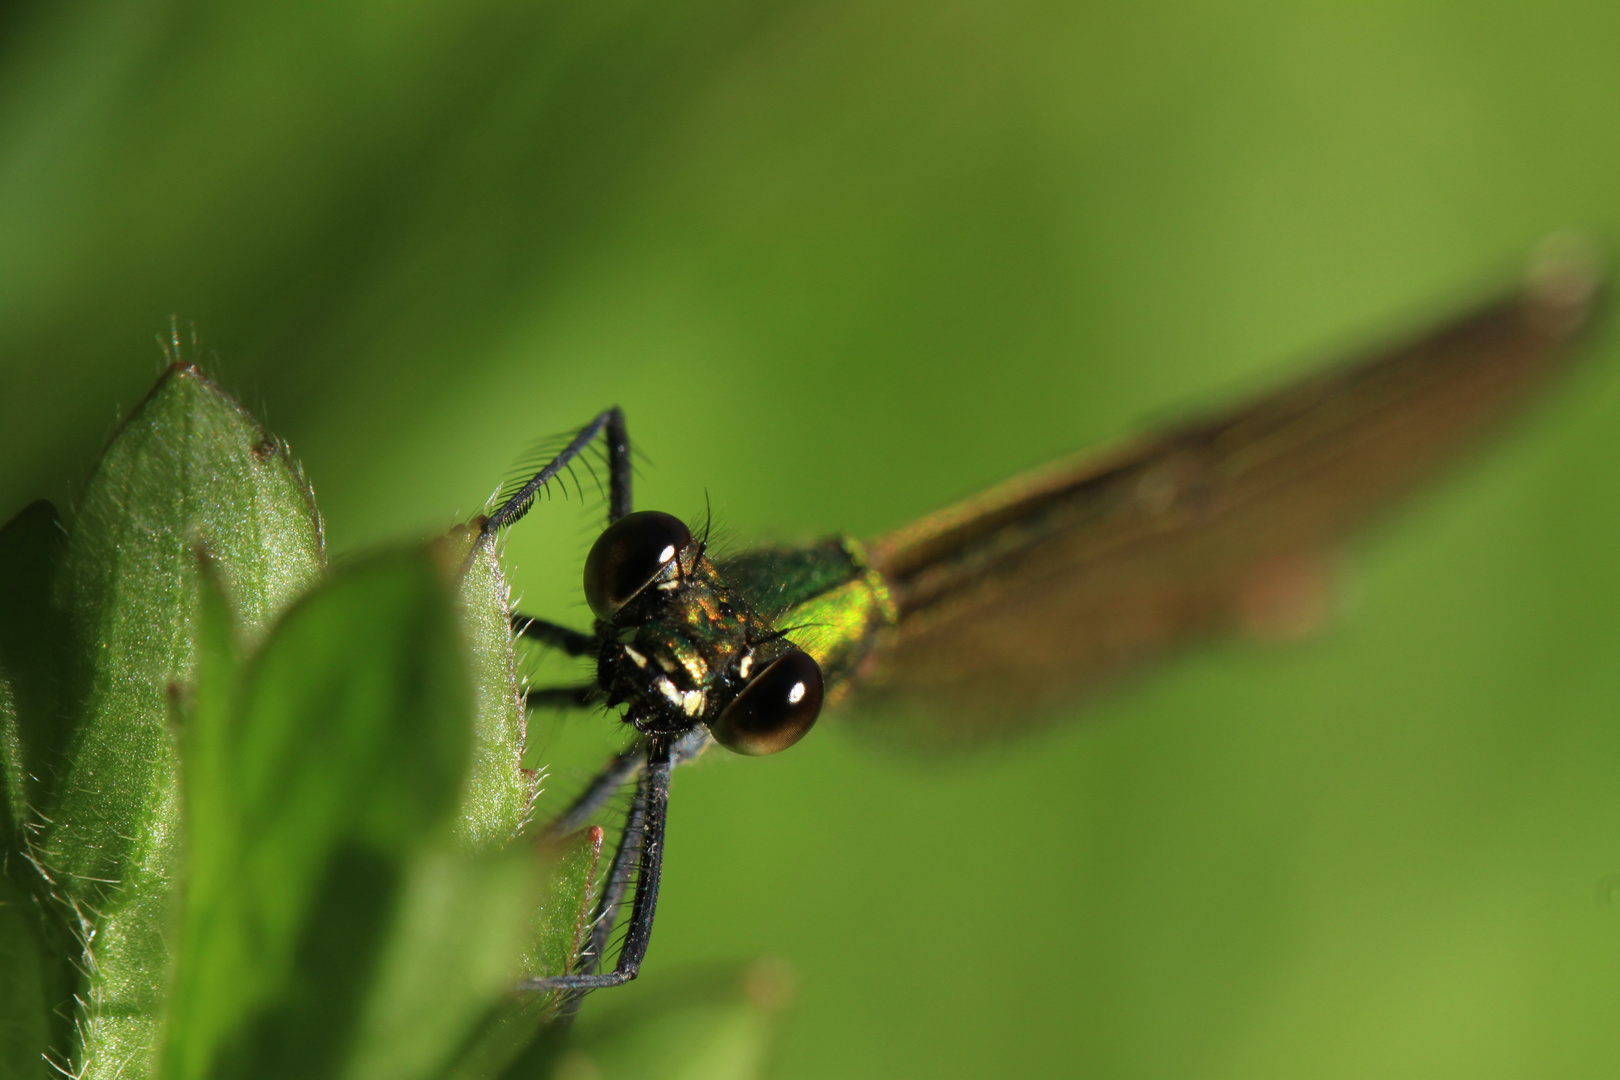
(562, 638)
(640, 855)
(648, 762)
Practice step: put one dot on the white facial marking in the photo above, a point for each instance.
(667, 554)
(635, 657)
(670, 586)
(667, 688)
(693, 703)
(746, 666)
(796, 694)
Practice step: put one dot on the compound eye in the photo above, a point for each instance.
(628, 555)
(775, 710)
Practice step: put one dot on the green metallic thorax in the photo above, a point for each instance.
(825, 595)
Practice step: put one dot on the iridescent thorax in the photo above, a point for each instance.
(825, 597)
(683, 648)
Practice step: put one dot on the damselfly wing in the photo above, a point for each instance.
(984, 618)
(1030, 596)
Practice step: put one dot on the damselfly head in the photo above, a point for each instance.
(680, 649)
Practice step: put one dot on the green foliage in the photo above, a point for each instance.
(262, 820)
(25, 988)
(37, 948)
(497, 794)
(842, 263)
(299, 875)
(187, 468)
(36, 655)
(707, 1026)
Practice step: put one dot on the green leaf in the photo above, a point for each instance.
(354, 904)
(563, 920)
(714, 1025)
(188, 467)
(340, 755)
(454, 953)
(500, 793)
(38, 976)
(13, 775)
(560, 924)
(25, 1000)
(36, 658)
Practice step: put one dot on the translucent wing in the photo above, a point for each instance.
(1044, 589)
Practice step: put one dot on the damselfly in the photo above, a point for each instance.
(989, 615)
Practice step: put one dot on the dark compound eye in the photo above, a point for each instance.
(775, 710)
(628, 555)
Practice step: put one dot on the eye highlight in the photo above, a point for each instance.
(775, 710)
(628, 555)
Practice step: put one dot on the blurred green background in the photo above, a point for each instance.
(843, 262)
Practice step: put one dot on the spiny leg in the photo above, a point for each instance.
(611, 422)
(561, 697)
(623, 767)
(615, 886)
(619, 771)
(605, 914)
(572, 642)
(681, 751)
(569, 642)
(651, 806)
(654, 795)
(644, 830)
(553, 636)
(619, 470)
